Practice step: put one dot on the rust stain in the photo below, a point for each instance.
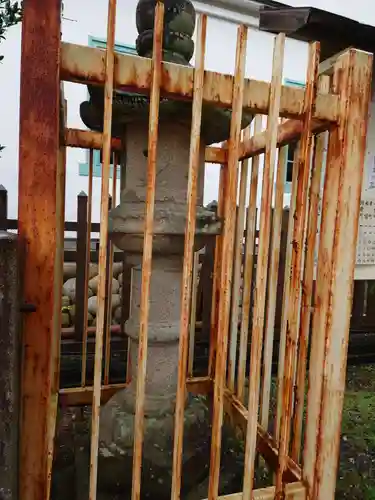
(38, 167)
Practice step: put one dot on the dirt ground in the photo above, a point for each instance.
(356, 478)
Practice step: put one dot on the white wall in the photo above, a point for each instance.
(88, 17)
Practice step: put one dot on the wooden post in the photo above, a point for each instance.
(353, 72)
(3, 208)
(87, 266)
(108, 305)
(38, 213)
(82, 270)
(110, 283)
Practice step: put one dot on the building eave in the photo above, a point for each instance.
(335, 32)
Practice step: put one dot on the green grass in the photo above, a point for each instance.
(356, 478)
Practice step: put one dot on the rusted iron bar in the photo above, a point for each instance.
(284, 311)
(82, 396)
(237, 414)
(308, 282)
(58, 282)
(193, 314)
(59, 263)
(85, 65)
(147, 247)
(216, 280)
(289, 131)
(262, 264)
(248, 267)
(354, 74)
(272, 288)
(107, 361)
(103, 239)
(38, 212)
(88, 139)
(292, 330)
(188, 255)
(227, 263)
(238, 246)
(295, 491)
(87, 264)
(318, 337)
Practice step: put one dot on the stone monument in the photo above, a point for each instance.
(126, 226)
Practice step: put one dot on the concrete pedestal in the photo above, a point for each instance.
(9, 367)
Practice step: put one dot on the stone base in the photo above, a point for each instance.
(116, 449)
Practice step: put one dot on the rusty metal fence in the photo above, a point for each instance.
(333, 106)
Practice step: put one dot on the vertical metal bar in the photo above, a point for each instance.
(318, 337)
(354, 71)
(272, 288)
(308, 281)
(107, 362)
(285, 296)
(188, 255)
(304, 162)
(216, 276)
(193, 314)
(262, 263)
(248, 267)
(58, 282)
(38, 232)
(227, 262)
(147, 247)
(238, 246)
(103, 238)
(87, 264)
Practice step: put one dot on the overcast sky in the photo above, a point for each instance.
(361, 10)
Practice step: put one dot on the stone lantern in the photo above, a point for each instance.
(126, 226)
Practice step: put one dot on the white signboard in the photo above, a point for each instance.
(366, 233)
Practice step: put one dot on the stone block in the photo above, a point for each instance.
(9, 367)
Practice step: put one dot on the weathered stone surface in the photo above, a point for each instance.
(93, 305)
(116, 448)
(116, 301)
(116, 269)
(70, 270)
(69, 289)
(9, 367)
(93, 284)
(117, 314)
(65, 320)
(65, 301)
